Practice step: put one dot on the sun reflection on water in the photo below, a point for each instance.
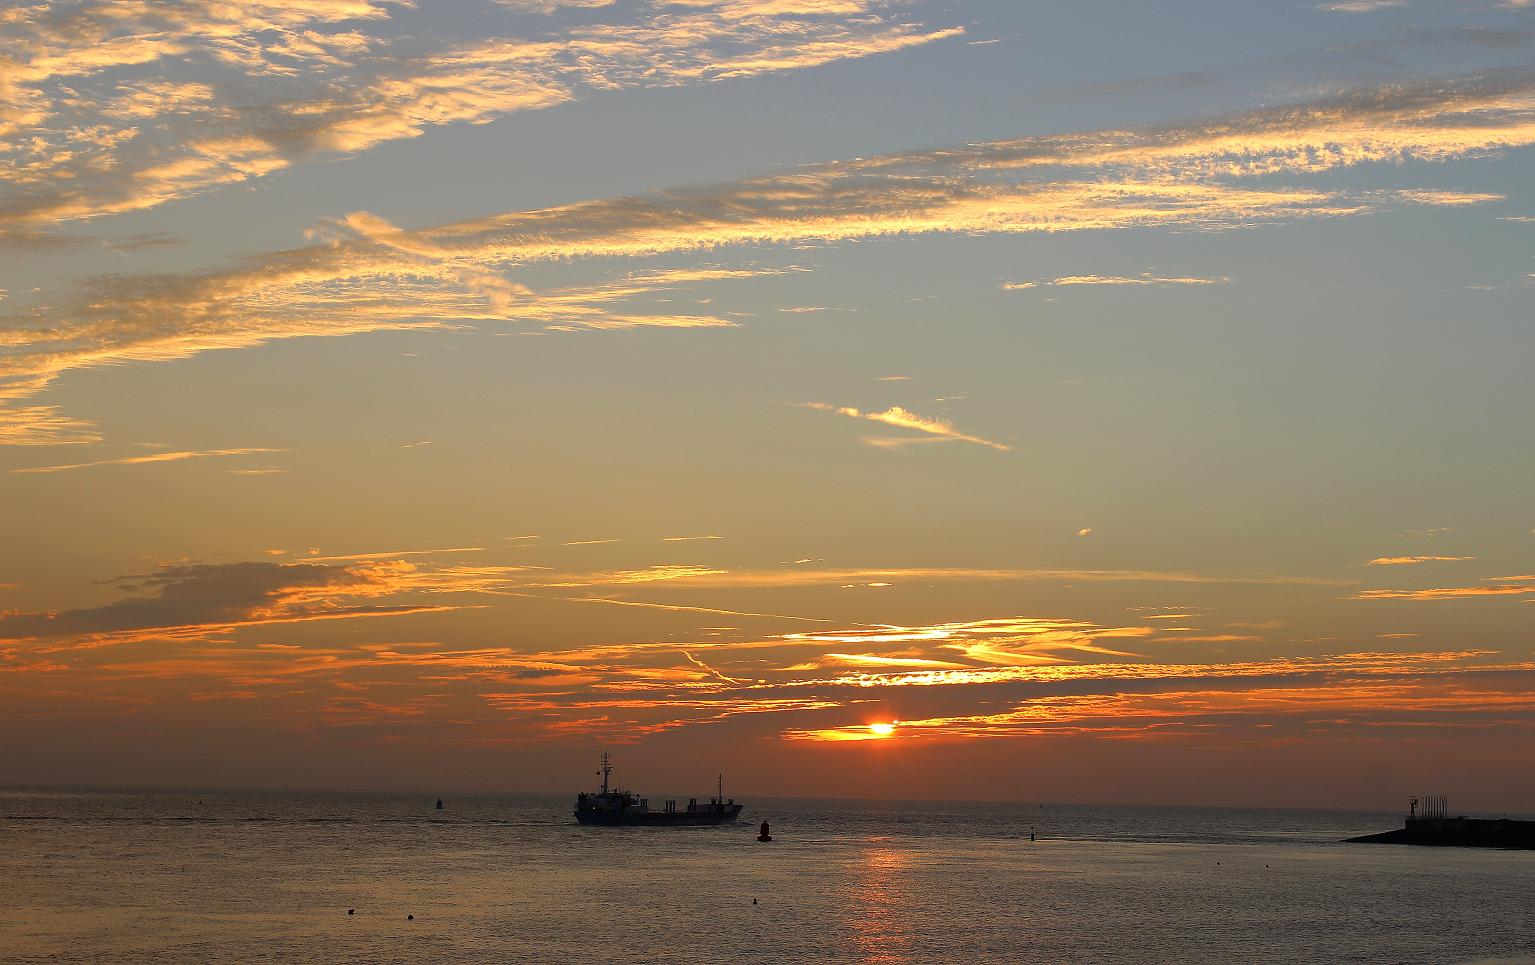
(878, 901)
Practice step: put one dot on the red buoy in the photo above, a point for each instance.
(764, 836)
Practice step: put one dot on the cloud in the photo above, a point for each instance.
(553, 6)
(949, 681)
(1016, 676)
(195, 601)
(1146, 278)
(906, 419)
(287, 82)
(371, 276)
(1411, 560)
(1123, 675)
(703, 576)
(1318, 712)
(1213, 637)
(152, 458)
(877, 661)
(206, 597)
(682, 608)
(1360, 6)
(42, 425)
(396, 554)
(1448, 593)
(1447, 199)
(1013, 641)
(293, 295)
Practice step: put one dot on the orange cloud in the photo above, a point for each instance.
(1437, 703)
(703, 576)
(391, 554)
(875, 660)
(180, 635)
(1448, 592)
(144, 460)
(196, 600)
(1060, 671)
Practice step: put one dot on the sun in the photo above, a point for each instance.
(882, 730)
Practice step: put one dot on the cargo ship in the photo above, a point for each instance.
(611, 806)
(1429, 823)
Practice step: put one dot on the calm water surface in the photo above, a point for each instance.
(188, 877)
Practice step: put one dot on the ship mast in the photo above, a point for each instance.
(720, 789)
(607, 766)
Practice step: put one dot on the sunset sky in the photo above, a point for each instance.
(1125, 401)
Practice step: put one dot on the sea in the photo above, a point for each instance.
(287, 876)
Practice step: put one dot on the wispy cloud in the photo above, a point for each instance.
(553, 6)
(1447, 199)
(703, 576)
(395, 554)
(1450, 592)
(1361, 6)
(903, 418)
(968, 679)
(189, 602)
(316, 77)
(40, 425)
(876, 660)
(145, 460)
(197, 599)
(370, 276)
(1296, 711)
(1412, 560)
(1114, 280)
(335, 77)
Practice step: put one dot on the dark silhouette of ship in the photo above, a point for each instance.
(612, 806)
(1429, 823)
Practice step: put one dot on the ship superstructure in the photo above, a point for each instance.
(613, 806)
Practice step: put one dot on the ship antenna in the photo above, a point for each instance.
(720, 788)
(607, 765)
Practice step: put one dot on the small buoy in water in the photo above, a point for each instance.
(439, 804)
(410, 917)
(764, 836)
(754, 901)
(351, 911)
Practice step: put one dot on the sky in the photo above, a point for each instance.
(975, 399)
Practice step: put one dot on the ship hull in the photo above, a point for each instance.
(659, 819)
